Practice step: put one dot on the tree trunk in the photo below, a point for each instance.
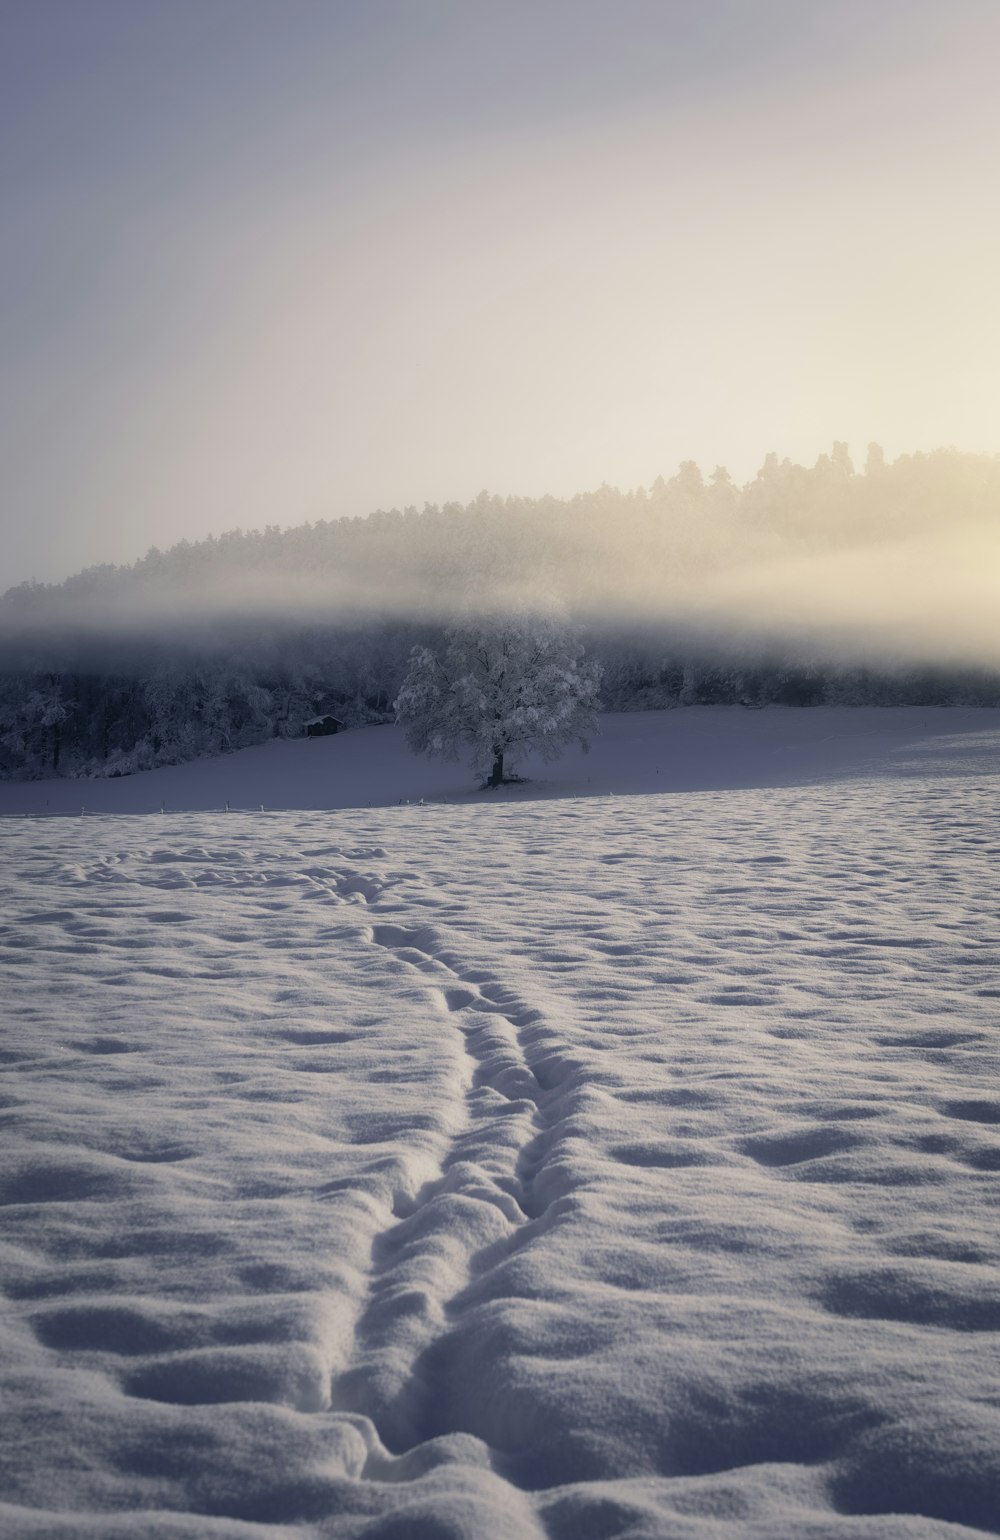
(496, 779)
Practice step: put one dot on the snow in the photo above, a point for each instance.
(523, 1164)
(704, 748)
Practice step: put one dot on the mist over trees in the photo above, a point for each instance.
(803, 586)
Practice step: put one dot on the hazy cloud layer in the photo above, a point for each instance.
(902, 562)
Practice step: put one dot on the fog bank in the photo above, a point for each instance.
(899, 562)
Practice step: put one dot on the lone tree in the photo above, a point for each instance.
(498, 689)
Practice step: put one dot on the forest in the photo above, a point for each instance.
(802, 587)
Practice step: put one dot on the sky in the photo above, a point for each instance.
(268, 261)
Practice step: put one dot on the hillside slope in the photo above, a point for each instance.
(703, 748)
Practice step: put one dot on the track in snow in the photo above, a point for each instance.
(617, 1168)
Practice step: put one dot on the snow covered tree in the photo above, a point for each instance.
(31, 726)
(498, 689)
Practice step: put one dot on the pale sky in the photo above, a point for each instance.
(264, 261)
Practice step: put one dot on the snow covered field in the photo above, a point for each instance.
(536, 1164)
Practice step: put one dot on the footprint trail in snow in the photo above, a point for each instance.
(569, 1169)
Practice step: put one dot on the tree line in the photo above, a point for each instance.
(216, 645)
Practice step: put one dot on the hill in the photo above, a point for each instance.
(805, 587)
